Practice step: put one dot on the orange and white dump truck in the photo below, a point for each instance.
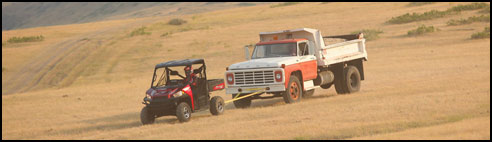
(292, 63)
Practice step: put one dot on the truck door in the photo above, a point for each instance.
(307, 61)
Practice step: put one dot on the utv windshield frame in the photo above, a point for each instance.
(177, 63)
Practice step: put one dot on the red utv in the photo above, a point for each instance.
(179, 88)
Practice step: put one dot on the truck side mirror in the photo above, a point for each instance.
(246, 52)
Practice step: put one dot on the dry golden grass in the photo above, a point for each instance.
(475, 128)
(415, 87)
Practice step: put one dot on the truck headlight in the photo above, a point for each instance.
(178, 94)
(230, 78)
(278, 76)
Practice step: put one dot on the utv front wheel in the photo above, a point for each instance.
(216, 105)
(146, 116)
(183, 112)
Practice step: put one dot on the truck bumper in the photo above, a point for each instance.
(251, 89)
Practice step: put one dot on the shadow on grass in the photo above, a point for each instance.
(277, 101)
(113, 122)
(132, 119)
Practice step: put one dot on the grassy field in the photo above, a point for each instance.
(86, 81)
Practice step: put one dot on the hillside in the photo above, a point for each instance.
(55, 70)
(17, 15)
(87, 81)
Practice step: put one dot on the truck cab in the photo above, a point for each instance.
(292, 63)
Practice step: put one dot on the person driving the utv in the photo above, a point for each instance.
(190, 76)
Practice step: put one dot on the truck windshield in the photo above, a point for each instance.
(275, 50)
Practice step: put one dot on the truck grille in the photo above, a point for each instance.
(254, 77)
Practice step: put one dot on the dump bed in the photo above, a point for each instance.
(328, 49)
(342, 48)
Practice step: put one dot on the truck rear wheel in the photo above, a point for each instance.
(339, 79)
(183, 112)
(216, 105)
(308, 93)
(293, 92)
(146, 116)
(352, 79)
(242, 103)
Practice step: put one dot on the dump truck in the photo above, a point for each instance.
(292, 63)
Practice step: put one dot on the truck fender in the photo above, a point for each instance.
(298, 74)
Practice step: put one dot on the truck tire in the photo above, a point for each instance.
(242, 103)
(183, 112)
(217, 105)
(352, 79)
(146, 116)
(308, 93)
(339, 79)
(293, 92)
(326, 86)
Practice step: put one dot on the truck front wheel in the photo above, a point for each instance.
(293, 92)
(242, 103)
(146, 116)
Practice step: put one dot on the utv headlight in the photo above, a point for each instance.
(178, 94)
(148, 97)
(153, 93)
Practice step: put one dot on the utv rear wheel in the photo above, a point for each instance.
(242, 103)
(146, 116)
(217, 105)
(293, 92)
(183, 112)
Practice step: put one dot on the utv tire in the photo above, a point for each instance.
(293, 92)
(352, 79)
(183, 112)
(217, 105)
(146, 117)
(242, 103)
(308, 93)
